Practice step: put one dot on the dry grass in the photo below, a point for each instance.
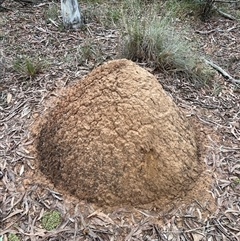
(154, 39)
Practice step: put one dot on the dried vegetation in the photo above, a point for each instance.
(25, 31)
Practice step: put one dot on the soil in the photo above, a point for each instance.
(213, 110)
(116, 138)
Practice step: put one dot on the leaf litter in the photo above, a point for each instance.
(23, 200)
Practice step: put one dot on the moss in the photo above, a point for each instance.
(236, 181)
(13, 237)
(51, 220)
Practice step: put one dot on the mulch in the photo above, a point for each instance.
(25, 33)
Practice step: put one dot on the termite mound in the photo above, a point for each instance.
(116, 137)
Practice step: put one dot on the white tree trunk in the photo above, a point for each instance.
(71, 14)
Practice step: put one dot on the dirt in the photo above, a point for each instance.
(116, 138)
(26, 194)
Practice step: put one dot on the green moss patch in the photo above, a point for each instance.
(51, 220)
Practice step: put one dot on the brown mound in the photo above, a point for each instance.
(117, 138)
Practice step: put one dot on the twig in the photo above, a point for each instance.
(206, 32)
(53, 22)
(222, 1)
(25, 1)
(223, 72)
(225, 15)
(215, 30)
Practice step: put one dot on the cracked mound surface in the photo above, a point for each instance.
(117, 138)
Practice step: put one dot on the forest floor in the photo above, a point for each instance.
(37, 57)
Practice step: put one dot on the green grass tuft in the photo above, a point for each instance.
(153, 39)
(28, 67)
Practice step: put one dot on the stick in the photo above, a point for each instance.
(225, 15)
(223, 72)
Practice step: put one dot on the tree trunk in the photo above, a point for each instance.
(71, 14)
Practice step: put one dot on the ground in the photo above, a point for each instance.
(26, 196)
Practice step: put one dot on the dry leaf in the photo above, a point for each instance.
(21, 170)
(9, 97)
(197, 236)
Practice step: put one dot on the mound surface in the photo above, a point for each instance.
(117, 138)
